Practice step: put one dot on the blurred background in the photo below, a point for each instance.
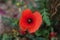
(10, 12)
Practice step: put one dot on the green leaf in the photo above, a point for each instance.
(45, 15)
(40, 38)
(13, 1)
(14, 22)
(10, 21)
(38, 33)
(0, 37)
(40, 0)
(5, 37)
(53, 38)
(31, 37)
(45, 33)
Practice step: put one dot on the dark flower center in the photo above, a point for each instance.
(29, 20)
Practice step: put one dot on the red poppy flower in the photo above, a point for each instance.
(30, 21)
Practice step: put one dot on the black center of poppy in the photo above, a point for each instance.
(29, 20)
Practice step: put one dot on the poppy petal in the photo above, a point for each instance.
(26, 12)
(23, 21)
(37, 24)
(21, 24)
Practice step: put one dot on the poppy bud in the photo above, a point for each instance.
(22, 32)
(52, 34)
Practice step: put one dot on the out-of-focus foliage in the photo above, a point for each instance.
(42, 34)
